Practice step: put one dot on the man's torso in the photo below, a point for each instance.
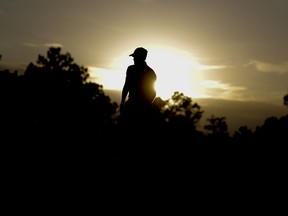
(141, 80)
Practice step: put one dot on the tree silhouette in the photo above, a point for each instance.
(180, 120)
(217, 130)
(272, 132)
(285, 98)
(59, 67)
(182, 112)
(54, 108)
(243, 135)
(56, 93)
(217, 125)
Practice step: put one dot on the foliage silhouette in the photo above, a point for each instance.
(217, 130)
(285, 98)
(56, 111)
(58, 94)
(179, 116)
(243, 135)
(52, 111)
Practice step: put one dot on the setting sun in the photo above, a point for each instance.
(176, 71)
(229, 58)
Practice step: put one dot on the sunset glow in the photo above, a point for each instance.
(175, 69)
(211, 51)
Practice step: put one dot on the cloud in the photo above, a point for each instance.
(13, 66)
(217, 89)
(268, 67)
(53, 45)
(219, 85)
(212, 67)
(41, 45)
(117, 29)
(109, 78)
(145, 1)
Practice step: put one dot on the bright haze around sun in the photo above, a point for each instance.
(226, 49)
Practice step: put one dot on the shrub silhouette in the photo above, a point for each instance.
(55, 110)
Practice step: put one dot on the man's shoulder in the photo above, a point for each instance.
(130, 68)
(151, 70)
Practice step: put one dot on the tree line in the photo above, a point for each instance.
(52, 109)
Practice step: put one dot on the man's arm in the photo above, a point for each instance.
(125, 90)
(124, 93)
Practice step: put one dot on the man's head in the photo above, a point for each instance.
(139, 53)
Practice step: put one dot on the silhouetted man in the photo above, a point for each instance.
(139, 86)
